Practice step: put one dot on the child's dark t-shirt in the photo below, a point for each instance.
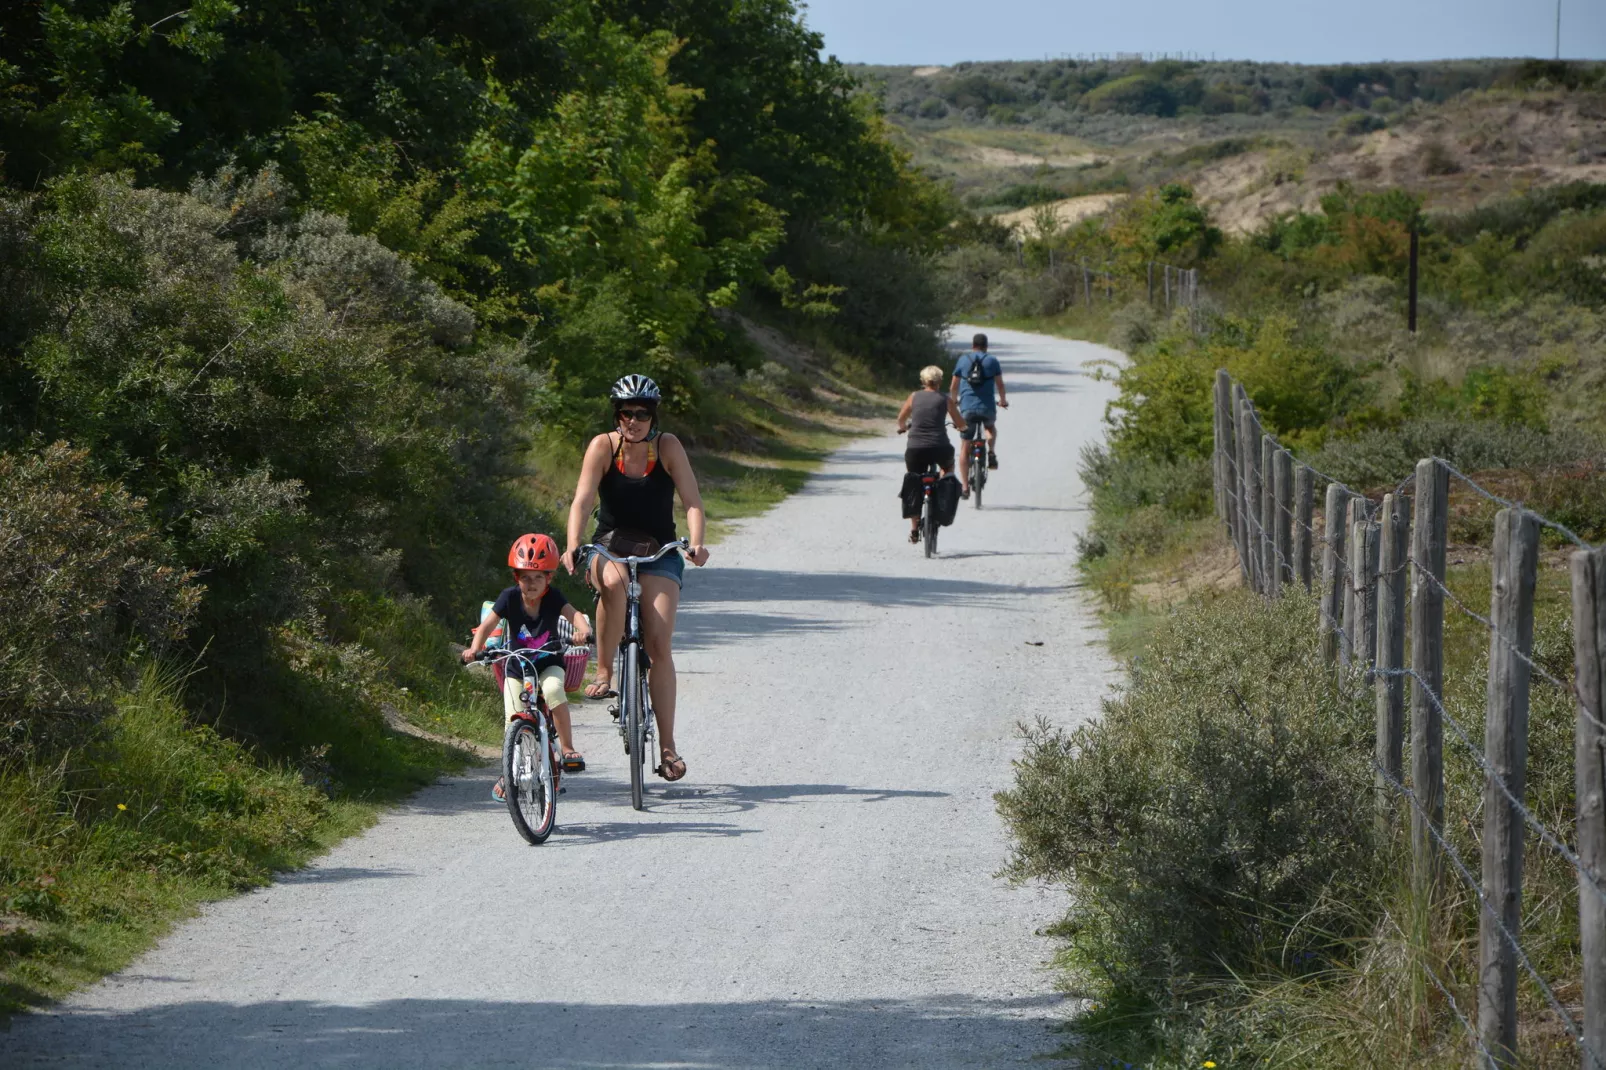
(540, 630)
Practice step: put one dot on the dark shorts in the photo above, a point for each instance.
(974, 424)
(917, 458)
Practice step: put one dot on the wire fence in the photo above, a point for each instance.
(1368, 551)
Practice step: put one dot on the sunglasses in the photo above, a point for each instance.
(635, 415)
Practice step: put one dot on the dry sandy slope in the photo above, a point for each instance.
(819, 892)
(1490, 145)
(1071, 210)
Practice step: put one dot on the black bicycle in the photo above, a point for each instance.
(978, 464)
(928, 507)
(631, 666)
(530, 766)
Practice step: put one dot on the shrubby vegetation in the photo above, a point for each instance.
(1067, 95)
(297, 295)
(1193, 944)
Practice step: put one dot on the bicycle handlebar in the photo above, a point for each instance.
(598, 548)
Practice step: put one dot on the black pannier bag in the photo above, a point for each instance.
(912, 493)
(945, 499)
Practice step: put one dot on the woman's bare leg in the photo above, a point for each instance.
(660, 598)
(609, 579)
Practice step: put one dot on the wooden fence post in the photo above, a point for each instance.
(1249, 502)
(1391, 566)
(1589, 649)
(1285, 517)
(1354, 515)
(1515, 567)
(1333, 530)
(1223, 429)
(1429, 533)
(1304, 504)
(1270, 573)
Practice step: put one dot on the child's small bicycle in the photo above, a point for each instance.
(530, 766)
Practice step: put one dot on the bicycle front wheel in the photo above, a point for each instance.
(528, 783)
(635, 722)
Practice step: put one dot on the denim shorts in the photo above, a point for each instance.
(671, 566)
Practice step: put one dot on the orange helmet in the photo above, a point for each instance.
(535, 552)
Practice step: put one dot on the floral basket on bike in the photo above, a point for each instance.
(575, 658)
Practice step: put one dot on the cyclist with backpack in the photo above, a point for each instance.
(924, 416)
(975, 377)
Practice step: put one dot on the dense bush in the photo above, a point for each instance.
(1211, 820)
(1384, 457)
(83, 575)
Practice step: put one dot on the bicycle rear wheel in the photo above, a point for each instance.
(978, 475)
(528, 783)
(928, 523)
(635, 721)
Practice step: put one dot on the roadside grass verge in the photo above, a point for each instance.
(151, 815)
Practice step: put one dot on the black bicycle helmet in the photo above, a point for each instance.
(635, 388)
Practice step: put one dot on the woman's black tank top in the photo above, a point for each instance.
(645, 504)
(927, 419)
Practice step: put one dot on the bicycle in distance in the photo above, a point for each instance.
(977, 476)
(633, 708)
(928, 508)
(531, 769)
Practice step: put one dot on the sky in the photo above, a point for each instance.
(1296, 31)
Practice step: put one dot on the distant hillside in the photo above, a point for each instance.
(1255, 139)
(1063, 95)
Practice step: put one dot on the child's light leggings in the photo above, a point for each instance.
(551, 690)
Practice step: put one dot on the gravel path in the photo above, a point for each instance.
(819, 892)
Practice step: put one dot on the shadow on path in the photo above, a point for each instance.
(772, 1034)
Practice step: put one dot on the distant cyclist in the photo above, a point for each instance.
(636, 471)
(925, 415)
(975, 377)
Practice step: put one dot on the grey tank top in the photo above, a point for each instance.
(928, 418)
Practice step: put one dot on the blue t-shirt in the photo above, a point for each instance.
(973, 398)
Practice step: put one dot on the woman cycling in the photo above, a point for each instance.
(635, 471)
(924, 414)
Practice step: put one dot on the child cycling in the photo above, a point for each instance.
(531, 609)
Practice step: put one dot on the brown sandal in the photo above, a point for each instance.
(672, 766)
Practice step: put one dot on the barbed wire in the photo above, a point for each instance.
(1544, 520)
(1533, 821)
(1456, 1009)
(1494, 629)
(1476, 888)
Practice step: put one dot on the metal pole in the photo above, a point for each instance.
(1515, 566)
(1410, 314)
